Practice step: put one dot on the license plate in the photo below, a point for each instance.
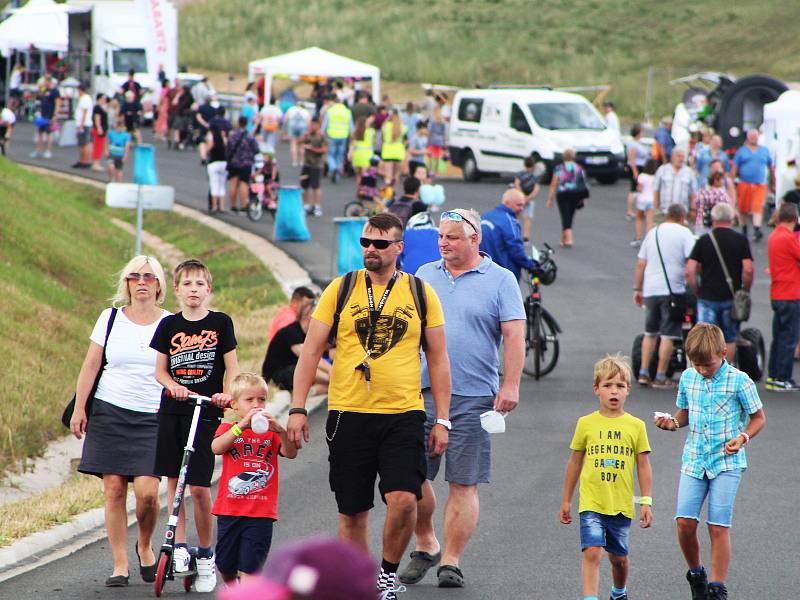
(596, 160)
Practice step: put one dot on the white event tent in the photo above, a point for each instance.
(313, 62)
(782, 137)
(40, 23)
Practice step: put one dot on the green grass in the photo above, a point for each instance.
(459, 42)
(59, 257)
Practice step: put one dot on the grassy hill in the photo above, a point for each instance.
(557, 42)
(59, 257)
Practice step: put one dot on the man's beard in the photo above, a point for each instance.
(373, 263)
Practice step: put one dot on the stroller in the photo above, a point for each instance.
(263, 188)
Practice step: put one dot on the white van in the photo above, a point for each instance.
(493, 130)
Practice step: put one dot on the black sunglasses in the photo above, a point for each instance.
(379, 244)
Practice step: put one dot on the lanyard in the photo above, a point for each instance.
(375, 313)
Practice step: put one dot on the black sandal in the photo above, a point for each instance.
(148, 573)
(450, 576)
(420, 563)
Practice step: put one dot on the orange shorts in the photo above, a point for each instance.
(751, 197)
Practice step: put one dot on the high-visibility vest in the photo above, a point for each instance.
(391, 150)
(339, 117)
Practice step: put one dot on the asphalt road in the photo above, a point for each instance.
(520, 550)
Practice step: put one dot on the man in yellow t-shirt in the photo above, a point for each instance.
(376, 413)
(606, 447)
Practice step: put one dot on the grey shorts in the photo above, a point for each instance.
(469, 452)
(657, 320)
(84, 137)
(529, 209)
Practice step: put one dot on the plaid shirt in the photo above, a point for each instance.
(718, 411)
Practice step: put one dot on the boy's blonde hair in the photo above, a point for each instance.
(188, 266)
(611, 366)
(704, 343)
(246, 380)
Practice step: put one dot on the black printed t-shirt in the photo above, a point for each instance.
(734, 248)
(279, 354)
(195, 351)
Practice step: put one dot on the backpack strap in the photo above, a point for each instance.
(421, 304)
(345, 290)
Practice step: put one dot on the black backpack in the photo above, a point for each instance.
(402, 208)
(417, 292)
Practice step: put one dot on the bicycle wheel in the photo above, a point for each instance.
(255, 210)
(531, 338)
(548, 343)
(354, 209)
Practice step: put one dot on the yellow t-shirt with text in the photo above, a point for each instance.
(611, 446)
(395, 360)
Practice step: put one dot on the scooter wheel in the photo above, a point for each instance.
(161, 573)
(187, 583)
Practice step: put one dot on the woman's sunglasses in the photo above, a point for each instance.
(147, 277)
(378, 244)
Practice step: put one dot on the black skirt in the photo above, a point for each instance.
(119, 442)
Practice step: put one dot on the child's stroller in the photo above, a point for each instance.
(263, 188)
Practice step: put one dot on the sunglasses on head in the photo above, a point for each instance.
(147, 277)
(451, 215)
(378, 244)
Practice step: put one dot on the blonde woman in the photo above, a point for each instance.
(361, 147)
(393, 148)
(121, 431)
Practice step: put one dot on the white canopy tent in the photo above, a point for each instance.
(40, 23)
(313, 62)
(781, 135)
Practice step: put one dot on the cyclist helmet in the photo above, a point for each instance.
(374, 160)
(547, 272)
(420, 220)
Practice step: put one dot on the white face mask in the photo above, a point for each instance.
(214, 104)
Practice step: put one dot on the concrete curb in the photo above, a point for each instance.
(44, 547)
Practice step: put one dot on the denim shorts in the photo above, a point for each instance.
(718, 312)
(468, 458)
(721, 492)
(605, 531)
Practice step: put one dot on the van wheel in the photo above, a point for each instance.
(469, 167)
(607, 179)
(543, 174)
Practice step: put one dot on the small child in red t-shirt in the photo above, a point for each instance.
(247, 500)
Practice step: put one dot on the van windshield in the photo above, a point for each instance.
(130, 58)
(566, 115)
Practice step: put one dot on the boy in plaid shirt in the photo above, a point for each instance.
(720, 404)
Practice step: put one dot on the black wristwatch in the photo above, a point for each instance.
(298, 411)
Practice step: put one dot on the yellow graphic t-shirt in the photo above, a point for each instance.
(611, 446)
(395, 360)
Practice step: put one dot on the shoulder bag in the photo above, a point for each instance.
(740, 311)
(66, 416)
(677, 302)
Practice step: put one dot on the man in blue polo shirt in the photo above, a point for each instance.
(482, 304)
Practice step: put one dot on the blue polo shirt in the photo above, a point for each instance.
(475, 304)
(752, 166)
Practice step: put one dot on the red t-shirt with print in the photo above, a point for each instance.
(248, 486)
(784, 264)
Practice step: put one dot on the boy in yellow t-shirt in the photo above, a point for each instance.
(613, 441)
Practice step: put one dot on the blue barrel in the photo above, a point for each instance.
(144, 164)
(290, 219)
(348, 232)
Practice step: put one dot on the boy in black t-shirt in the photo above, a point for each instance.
(196, 352)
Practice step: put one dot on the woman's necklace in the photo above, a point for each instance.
(144, 342)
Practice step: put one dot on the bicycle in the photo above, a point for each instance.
(541, 329)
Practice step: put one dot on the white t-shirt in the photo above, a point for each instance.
(612, 122)
(7, 117)
(129, 379)
(646, 195)
(84, 104)
(676, 242)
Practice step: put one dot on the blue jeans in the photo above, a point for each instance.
(785, 335)
(718, 312)
(336, 152)
(605, 531)
(721, 492)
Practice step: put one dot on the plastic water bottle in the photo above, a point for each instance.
(259, 423)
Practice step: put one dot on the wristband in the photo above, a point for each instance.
(646, 501)
(746, 437)
(236, 430)
(637, 289)
(298, 411)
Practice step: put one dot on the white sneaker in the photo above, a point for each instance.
(34, 154)
(181, 559)
(47, 154)
(317, 211)
(206, 575)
